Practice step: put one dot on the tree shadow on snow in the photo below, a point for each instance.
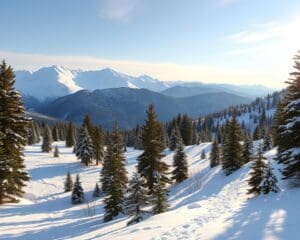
(265, 217)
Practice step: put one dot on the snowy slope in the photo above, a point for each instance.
(206, 206)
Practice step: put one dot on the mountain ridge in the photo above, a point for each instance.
(57, 81)
(127, 105)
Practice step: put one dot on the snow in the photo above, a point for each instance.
(57, 81)
(208, 205)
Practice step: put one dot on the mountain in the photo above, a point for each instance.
(40, 118)
(182, 91)
(57, 81)
(128, 105)
(49, 82)
(186, 89)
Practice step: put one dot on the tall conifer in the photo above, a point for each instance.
(232, 149)
(180, 172)
(288, 127)
(150, 165)
(13, 137)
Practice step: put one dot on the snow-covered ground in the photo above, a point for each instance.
(206, 206)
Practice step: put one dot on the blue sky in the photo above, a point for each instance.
(236, 41)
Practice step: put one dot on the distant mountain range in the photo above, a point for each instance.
(108, 95)
(128, 105)
(57, 81)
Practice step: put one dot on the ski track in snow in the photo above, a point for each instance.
(208, 205)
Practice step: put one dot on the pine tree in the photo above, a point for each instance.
(247, 150)
(269, 181)
(232, 149)
(88, 124)
(70, 138)
(77, 193)
(68, 183)
(46, 145)
(267, 144)
(56, 152)
(97, 191)
(135, 199)
(105, 177)
(98, 143)
(186, 129)
(159, 197)
(215, 154)
(256, 133)
(115, 176)
(196, 138)
(84, 149)
(288, 130)
(13, 136)
(203, 155)
(32, 136)
(150, 164)
(180, 172)
(55, 133)
(257, 173)
(174, 138)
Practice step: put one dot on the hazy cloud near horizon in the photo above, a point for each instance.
(161, 71)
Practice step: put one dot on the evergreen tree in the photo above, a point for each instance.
(77, 193)
(267, 144)
(88, 124)
(68, 183)
(13, 137)
(288, 129)
(186, 130)
(32, 137)
(97, 191)
(46, 145)
(256, 133)
(138, 138)
(215, 154)
(70, 138)
(159, 197)
(56, 152)
(232, 149)
(269, 181)
(174, 138)
(98, 143)
(247, 150)
(203, 155)
(84, 149)
(115, 178)
(105, 178)
(257, 173)
(180, 172)
(135, 199)
(55, 133)
(149, 162)
(196, 137)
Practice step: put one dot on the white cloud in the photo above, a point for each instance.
(163, 71)
(119, 10)
(272, 44)
(260, 33)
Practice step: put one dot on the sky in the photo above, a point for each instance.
(229, 41)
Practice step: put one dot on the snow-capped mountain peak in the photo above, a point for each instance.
(56, 81)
